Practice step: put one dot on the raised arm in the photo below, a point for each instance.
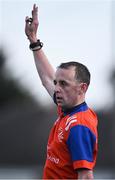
(44, 68)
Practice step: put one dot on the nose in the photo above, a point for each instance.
(57, 88)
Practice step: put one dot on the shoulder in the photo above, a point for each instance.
(82, 120)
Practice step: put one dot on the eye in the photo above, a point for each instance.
(63, 83)
(55, 82)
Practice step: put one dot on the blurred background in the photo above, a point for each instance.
(70, 30)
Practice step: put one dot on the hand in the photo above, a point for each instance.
(31, 25)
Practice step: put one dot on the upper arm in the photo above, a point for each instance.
(81, 143)
(49, 86)
(45, 70)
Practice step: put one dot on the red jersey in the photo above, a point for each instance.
(72, 143)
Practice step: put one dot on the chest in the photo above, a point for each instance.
(57, 146)
(58, 133)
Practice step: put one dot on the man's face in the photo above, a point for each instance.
(67, 88)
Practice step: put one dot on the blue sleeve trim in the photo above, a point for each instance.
(81, 143)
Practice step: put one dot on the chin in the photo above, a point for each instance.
(59, 104)
(64, 106)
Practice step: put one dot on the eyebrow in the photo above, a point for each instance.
(60, 81)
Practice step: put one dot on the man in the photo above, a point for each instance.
(72, 144)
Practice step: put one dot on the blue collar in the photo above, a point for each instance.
(79, 108)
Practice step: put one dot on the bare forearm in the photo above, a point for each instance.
(45, 70)
(85, 174)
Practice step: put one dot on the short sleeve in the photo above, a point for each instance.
(81, 143)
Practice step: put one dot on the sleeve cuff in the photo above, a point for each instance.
(83, 164)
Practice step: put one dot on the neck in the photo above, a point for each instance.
(74, 105)
(80, 100)
(78, 108)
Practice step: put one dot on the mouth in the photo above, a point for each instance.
(59, 99)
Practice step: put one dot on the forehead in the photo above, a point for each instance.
(65, 74)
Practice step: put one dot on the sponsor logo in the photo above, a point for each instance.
(53, 159)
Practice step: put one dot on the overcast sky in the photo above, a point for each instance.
(70, 30)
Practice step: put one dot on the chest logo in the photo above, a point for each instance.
(60, 134)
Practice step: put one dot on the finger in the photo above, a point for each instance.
(34, 7)
(35, 12)
(26, 19)
(27, 22)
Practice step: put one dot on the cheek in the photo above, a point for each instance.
(70, 94)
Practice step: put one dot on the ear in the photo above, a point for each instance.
(84, 87)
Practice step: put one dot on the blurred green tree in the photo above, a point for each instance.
(9, 89)
(24, 122)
